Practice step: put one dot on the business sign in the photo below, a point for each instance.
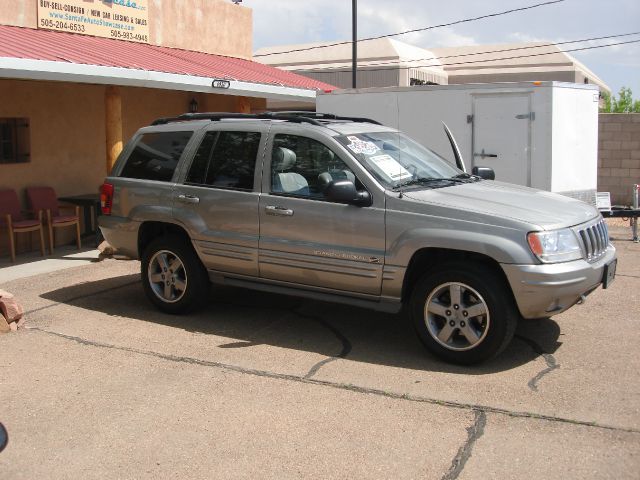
(120, 19)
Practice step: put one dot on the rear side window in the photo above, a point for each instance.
(225, 160)
(156, 156)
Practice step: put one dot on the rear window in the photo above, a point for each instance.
(156, 156)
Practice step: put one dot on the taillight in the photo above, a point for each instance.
(106, 198)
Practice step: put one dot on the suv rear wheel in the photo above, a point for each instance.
(173, 277)
(463, 313)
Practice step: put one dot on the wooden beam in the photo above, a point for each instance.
(243, 105)
(113, 123)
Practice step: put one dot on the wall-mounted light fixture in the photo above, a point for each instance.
(193, 106)
(219, 83)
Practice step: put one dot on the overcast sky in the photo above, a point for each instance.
(283, 22)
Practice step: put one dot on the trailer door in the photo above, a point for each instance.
(502, 135)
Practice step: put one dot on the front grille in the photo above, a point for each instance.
(594, 240)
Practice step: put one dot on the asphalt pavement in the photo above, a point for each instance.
(102, 385)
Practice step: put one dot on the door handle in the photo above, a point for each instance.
(188, 199)
(527, 116)
(274, 210)
(483, 155)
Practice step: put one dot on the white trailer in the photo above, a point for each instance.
(538, 134)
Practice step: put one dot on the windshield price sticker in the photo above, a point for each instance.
(362, 146)
(390, 167)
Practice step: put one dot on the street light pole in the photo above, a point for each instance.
(354, 12)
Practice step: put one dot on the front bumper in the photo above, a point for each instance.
(548, 289)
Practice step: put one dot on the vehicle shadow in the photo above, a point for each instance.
(249, 318)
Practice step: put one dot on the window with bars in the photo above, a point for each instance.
(14, 140)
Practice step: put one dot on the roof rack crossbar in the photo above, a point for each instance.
(359, 120)
(326, 116)
(293, 116)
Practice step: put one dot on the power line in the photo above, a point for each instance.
(528, 47)
(457, 22)
(364, 68)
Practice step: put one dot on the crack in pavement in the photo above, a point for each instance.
(548, 358)
(346, 344)
(474, 432)
(339, 386)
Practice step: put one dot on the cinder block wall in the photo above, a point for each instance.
(618, 155)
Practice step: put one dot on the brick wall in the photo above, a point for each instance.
(618, 155)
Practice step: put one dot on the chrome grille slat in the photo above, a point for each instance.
(594, 239)
(596, 235)
(587, 243)
(600, 233)
(605, 235)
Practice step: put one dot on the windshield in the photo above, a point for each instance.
(396, 160)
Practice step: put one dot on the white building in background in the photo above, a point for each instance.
(391, 63)
(517, 62)
(382, 62)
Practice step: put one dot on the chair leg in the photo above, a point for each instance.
(41, 241)
(78, 234)
(12, 245)
(50, 232)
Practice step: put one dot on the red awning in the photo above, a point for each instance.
(28, 43)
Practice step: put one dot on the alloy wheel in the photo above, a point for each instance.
(456, 316)
(167, 276)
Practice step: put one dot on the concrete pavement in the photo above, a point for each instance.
(30, 264)
(267, 386)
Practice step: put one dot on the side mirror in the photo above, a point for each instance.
(344, 191)
(4, 438)
(484, 172)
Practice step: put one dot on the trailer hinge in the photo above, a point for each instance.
(469, 118)
(530, 116)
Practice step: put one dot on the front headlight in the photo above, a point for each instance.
(555, 246)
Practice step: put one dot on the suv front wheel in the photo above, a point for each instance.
(173, 277)
(463, 313)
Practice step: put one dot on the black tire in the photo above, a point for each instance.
(187, 286)
(440, 327)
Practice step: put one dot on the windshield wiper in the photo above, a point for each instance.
(426, 181)
(461, 178)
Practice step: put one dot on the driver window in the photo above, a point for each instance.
(304, 167)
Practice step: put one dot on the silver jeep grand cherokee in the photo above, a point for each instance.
(347, 210)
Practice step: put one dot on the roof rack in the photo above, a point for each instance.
(217, 116)
(324, 116)
(312, 118)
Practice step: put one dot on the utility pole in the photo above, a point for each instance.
(354, 12)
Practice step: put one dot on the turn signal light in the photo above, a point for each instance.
(535, 244)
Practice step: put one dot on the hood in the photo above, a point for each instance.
(538, 207)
